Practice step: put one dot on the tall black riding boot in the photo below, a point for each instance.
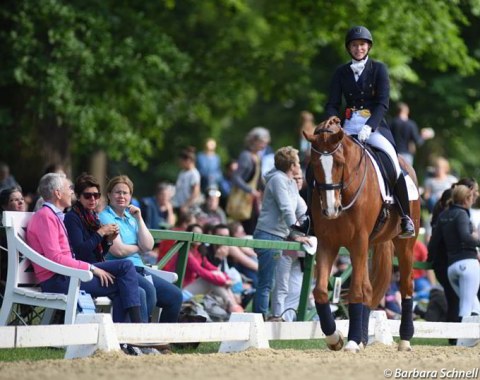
(401, 198)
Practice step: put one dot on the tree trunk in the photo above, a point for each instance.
(98, 168)
(55, 145)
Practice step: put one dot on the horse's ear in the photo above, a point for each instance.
(332, 120)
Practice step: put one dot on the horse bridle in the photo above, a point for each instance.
(341, 185)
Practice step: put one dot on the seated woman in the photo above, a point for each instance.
(243, 258)
(185, 218)
(202, 277)
(11, 199)
(157, 210)
(133, 239)
(217, 255)
(88, 238)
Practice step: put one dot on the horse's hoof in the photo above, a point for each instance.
(335, 341)
(353, 346)
(404, 345)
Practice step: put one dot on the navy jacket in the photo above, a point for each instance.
(404, 132)
(371, 91)
(453, 233)
(82, 241)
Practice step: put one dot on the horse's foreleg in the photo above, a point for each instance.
(360, 294)
(325, 260)
(405, 261)
(367, 300)
(365, 320)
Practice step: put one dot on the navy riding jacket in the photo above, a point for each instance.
(371, 91)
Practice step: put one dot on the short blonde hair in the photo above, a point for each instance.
(120, 179)
(460, 194)
(285, 157)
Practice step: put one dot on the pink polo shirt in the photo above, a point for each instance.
(46, 234)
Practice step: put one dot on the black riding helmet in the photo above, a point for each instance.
(358, 33)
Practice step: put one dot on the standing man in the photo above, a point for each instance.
(406, 135)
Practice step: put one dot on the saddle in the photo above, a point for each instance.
(389, 175)
(386, 167)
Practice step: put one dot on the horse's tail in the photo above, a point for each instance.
(381, 270)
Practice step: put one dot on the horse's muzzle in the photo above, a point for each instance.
(335, 213)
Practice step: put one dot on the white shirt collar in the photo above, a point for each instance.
(358, 67)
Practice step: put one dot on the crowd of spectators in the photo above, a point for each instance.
(106, 228)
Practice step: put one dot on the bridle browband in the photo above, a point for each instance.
(341, 185)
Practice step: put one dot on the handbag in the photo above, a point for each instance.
(240, 203)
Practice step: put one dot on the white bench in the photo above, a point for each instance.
(21, 287)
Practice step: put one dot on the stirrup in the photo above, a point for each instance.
(408, 228)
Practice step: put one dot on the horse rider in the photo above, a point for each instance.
(364, 84)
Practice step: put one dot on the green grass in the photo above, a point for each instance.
(8, 355)
(15, 354)
(428, 342)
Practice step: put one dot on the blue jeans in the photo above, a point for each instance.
(267, 263)
(162, 294)
(124, 291)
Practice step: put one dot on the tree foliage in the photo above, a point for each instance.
(138, 79)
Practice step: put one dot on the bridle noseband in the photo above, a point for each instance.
(341, 185)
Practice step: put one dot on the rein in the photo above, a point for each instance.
(341, 185)
(362, 184)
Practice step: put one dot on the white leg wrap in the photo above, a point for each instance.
(404, 345)
(352, 346)
(335, 341)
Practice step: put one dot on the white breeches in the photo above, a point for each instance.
(464, 276)
(287, 289)
(379, 141)
(354, 125)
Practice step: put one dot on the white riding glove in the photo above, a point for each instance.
(364, 133)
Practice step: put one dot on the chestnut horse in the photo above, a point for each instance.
(346, 202)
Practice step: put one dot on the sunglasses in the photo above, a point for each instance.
(91, 195)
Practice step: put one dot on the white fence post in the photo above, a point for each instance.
(107, 336)
(382, 333)
(258, 333)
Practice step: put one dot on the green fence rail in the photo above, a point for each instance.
(184, 239)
